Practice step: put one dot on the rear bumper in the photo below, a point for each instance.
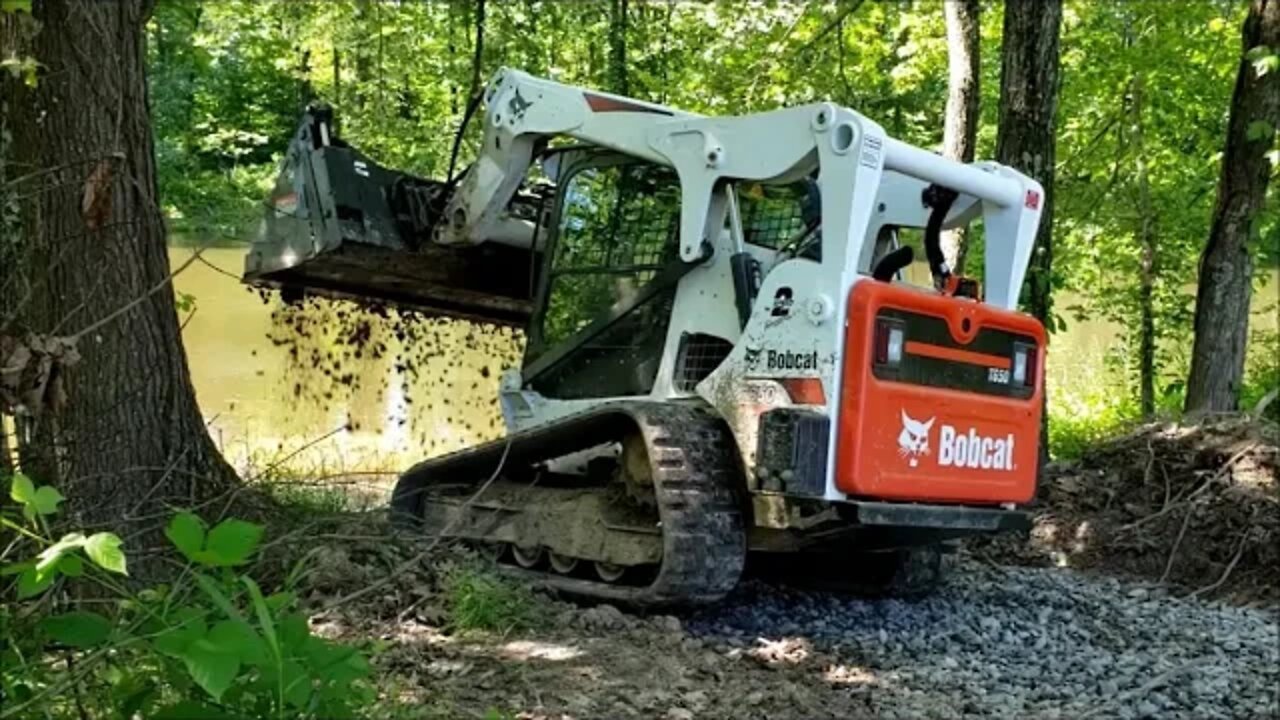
(935, 517)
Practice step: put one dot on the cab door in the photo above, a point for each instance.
(609, 279)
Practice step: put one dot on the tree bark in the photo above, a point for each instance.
(960, 133)
(1226, 268)
(1146, 254)
(130, 440)
(6, 460)
(618, 47)
(1025, 137)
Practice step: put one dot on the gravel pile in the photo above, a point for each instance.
(1017, 642)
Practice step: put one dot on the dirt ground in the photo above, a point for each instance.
(603, 663)
(1196, 506)
(1182, 514)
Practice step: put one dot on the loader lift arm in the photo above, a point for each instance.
(340, 224)
(523, 111)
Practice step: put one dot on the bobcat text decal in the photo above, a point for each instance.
(972, 450)
(968, 449)
(787, 360)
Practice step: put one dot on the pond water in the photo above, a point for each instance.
(393, 398)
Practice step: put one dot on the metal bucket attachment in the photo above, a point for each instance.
(337, 224)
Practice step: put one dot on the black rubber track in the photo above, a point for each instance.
(696, 482)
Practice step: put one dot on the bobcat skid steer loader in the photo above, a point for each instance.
(721, 355)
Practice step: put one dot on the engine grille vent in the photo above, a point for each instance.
(700, 354)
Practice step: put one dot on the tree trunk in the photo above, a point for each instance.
(130, 440)
(961, 131)
(1146, 254)
(618, 47)
(1226, 269)
(337, 80)
(6, 460)
(1025, 137)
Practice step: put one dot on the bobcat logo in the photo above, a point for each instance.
(913, 441)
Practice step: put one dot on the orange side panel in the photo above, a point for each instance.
(902, 441)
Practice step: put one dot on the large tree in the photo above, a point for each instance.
(1226, 267)
(1025, 136)
(129, 438)
(960, 132)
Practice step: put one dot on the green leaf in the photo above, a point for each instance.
(46, 500)
(184, 302)
(15, 568)
(32, 582)
(293, 632)
(210, 668)
(71, 566)
(296, 683)
(15, 6)
(231, 542)
(335, 663)
(190, 626)
(21, 489)
(264, 615)
(104, 549)
(132, 694)
(34, 501)
(186, 532)
(77, 629)
(1258, 130)
(1264, 59)
(278, 601)
(220, 600)
(238, 638)
(49, 557)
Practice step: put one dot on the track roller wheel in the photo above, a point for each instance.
(609, 572)
(562, 564)
(527, 557)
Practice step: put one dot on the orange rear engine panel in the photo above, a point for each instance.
(957, 417)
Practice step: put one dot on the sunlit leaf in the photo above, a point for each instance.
(48, 558)
(22, 490)
(47, 499)
(104, 550)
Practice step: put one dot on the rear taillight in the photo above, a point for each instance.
(891, 336)
(1024, 365)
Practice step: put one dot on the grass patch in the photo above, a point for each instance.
(309, 497)
(480, 600)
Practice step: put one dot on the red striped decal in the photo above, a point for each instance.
(602, 104)
(939, 352)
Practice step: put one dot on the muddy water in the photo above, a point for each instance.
(348, 392)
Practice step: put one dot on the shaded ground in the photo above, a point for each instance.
(1196, 506)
